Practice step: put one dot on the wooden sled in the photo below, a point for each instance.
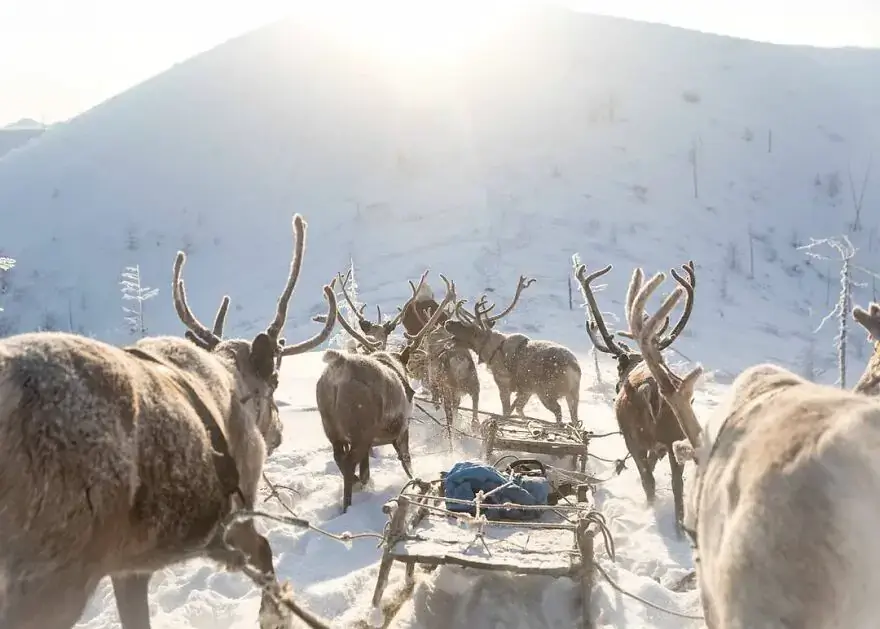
(528, 434)
(536, 437)
(422, 531)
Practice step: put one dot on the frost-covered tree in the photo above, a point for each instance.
(846, 251)
(340, 338)
(133, 290)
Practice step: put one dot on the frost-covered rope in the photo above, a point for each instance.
(614, 584)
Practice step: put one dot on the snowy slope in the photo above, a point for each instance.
(575, 139)
(337, 581)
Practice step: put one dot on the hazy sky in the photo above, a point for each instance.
(60, 57)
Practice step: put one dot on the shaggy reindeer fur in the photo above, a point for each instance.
(784, 504)
(120, 462)
(647, 423)
(519, 364)
(365, 401)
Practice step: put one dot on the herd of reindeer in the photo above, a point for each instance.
(120, 461)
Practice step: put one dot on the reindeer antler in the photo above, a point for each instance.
(198, 333)
(299, 232)
(677, 392)
(343, 281)
(869, 319)
(523, 283)
(595, 322)
(368, 344)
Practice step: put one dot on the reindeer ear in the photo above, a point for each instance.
(389, 327)
(263, 355)
(365, 325)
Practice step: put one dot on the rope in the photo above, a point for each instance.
(614, 584)
(499, 416)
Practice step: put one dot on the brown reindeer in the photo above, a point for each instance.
(444, 365)
(519, 364)
(121, 461)
(647, 423)
(365, 400)
(784, 502)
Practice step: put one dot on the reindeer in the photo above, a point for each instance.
(121, 461)
(783, 506)
(519, 364)
(443, 365)
(365, 400)
(648, 425)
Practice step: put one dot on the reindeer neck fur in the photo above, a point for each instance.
(489, 350)
(628, 371)
(216, 375)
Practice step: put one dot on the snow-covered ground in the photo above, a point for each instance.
(337, 581)
(627, 143)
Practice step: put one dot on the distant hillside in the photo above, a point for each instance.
(626, 142)
(19, 133)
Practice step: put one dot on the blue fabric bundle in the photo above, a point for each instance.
(466, 478)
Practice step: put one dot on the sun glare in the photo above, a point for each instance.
(420, 30)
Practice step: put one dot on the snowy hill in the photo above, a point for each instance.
(627, 143)
(578, 139)
(19, 133)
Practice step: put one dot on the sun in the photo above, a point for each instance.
(418, 30)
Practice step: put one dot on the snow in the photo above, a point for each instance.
(337, 580)
(627, 143)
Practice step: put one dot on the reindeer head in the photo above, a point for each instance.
(476, 330)
(627, 359)
(254, 364)
(677, 392)
(413, 340)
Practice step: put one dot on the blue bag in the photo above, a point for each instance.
(466, 478)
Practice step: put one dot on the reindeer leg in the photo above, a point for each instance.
(647, 478)
(505, 394)
(401, 446)
(365, 468)
(475, 415)
(349, 478)
(519, 403)
(131, 592)
(677, 471)
(552, 405)
(573, 399)
(340, 454)
(54, 602)
(449, 411)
